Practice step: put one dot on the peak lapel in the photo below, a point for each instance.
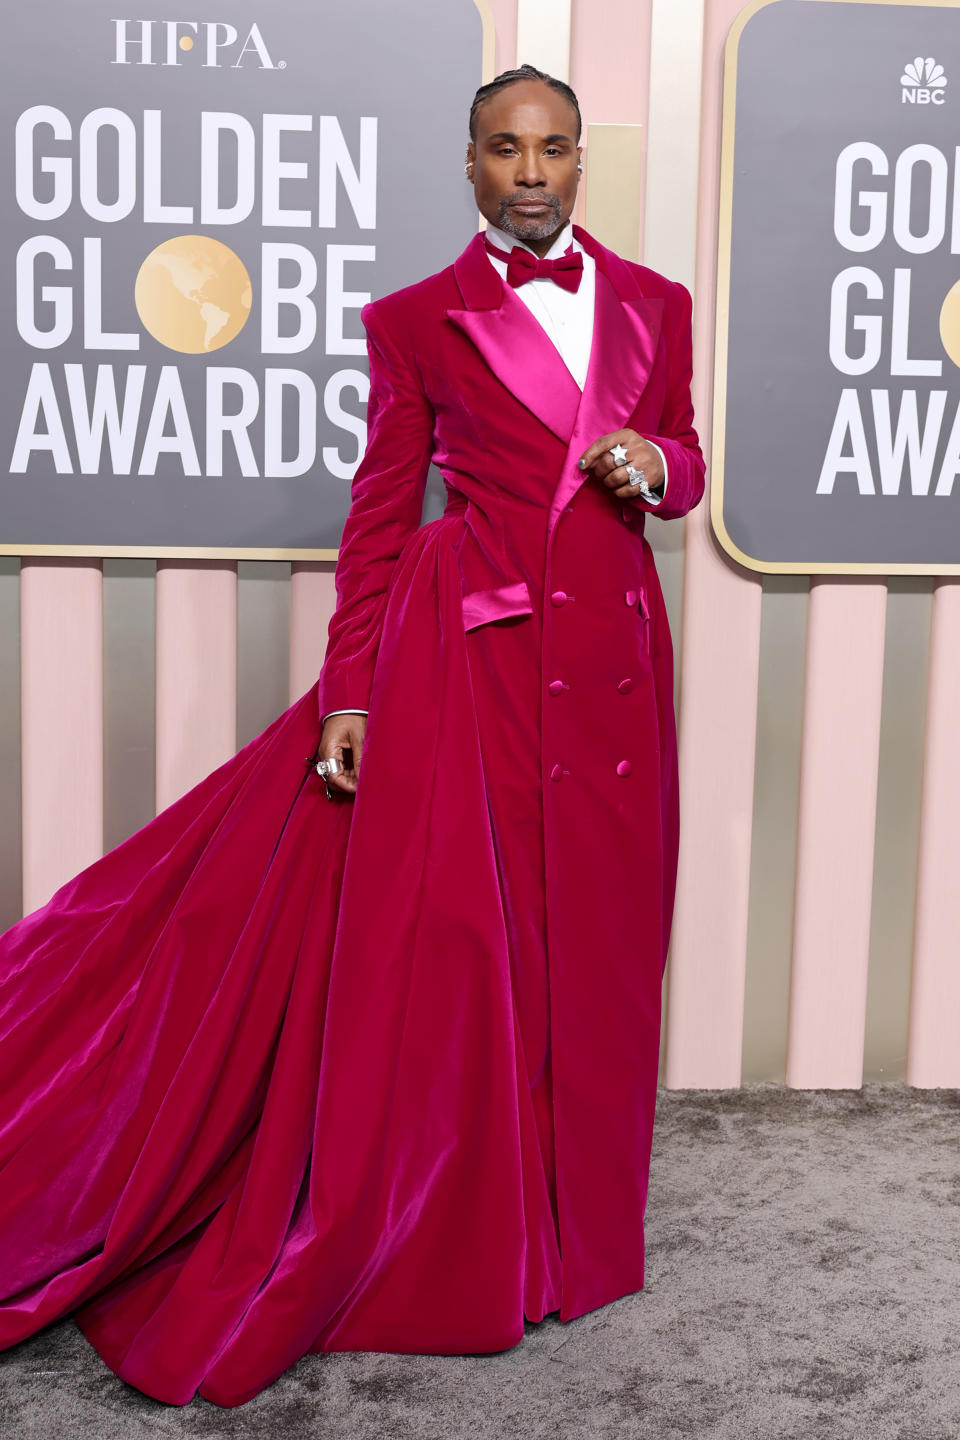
(626, 332)
(513, 343)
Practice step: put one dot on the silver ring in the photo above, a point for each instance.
(329, 767)
(635, 477)
(619, 454)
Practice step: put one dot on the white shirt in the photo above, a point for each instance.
(567, 317)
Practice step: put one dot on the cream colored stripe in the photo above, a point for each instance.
(773, 858)
(543, 36)
(718, 691)
(673, 138)
(669, 223)
(263, 645)
(669, 236)
(614, 186)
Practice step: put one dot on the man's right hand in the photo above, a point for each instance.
(340, 733)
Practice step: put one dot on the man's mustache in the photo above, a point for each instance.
(519, 197)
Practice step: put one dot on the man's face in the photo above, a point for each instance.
(524, 161)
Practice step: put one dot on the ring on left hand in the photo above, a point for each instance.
(635, 477)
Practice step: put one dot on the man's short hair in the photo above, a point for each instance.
(511, 77)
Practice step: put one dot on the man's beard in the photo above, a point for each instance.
(536, 227)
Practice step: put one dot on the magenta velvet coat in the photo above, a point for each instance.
(279, 1075)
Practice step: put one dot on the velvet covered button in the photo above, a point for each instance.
(624, 768)
(559, 597)
(625, 686)
(555, 687)
(556, 772)
(630, 596)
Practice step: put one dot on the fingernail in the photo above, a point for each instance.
(582, 464)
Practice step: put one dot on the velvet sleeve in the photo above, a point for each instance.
(677, 437)
(385, 510)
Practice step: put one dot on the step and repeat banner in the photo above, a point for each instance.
(837, 385)
(194, 212)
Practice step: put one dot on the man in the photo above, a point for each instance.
(559, 414)
(281, 1076)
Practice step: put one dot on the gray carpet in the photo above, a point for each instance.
(803, 1281)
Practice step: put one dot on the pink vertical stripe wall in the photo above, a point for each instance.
(838, 806)
(61, 618)
(61, 701)
(718, 696)
(313, 599)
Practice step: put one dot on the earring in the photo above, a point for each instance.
(466, 168)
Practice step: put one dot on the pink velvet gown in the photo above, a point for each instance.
(281, 1075)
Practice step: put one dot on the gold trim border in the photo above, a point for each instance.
(235, 552)
(722, 321)
(168, 552)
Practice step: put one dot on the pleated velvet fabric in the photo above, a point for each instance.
(280, 1075)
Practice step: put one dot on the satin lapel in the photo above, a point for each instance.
(513, 344)
(626, 332)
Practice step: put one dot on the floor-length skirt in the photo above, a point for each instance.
(275, 1073)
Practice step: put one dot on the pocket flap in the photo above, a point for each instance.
(482, 606)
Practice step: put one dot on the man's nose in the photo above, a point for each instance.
(529, 170)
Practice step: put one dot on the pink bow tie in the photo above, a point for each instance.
(522, 265)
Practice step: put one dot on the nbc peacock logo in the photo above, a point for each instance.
(922, 82)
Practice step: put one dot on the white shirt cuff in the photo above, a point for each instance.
(343, 712)
(644, 488)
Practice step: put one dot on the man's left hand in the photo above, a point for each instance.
(640, 454)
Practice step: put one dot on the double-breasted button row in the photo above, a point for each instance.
(624, 768)
(560, 597)
(557, 687)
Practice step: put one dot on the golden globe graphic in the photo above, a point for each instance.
(193, 294)
(950, 323)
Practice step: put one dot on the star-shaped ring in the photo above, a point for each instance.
(619, 454)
